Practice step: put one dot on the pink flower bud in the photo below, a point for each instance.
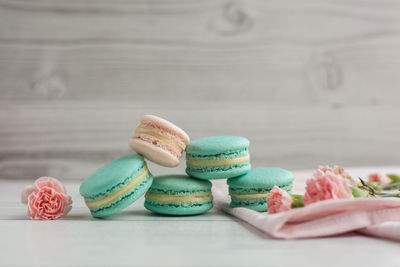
(278, 200)
(380, 178)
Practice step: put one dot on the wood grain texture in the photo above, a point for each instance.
(70, 141)
(313, 82)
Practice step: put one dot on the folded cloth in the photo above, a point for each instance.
(378, 217)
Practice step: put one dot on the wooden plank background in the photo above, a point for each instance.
(308, 82)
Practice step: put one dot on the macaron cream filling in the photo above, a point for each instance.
(208, 156)
(193, 198)
(172, 141)
(171, 131)
(120, 193)
(160, 138)
(222, 161)
(247, 196)
(218, 162)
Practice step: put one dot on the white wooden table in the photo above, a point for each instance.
(138, 237)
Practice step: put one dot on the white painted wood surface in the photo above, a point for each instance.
(310, 82)
(137, 237)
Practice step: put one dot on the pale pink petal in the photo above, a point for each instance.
(52, 183)
(324, 169)
(380, 178)
(26, 192)
(68, 206)
(324, 185)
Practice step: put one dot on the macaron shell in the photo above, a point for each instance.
(257, 181)
(154, 153)
(177, 210)
(217, 144)
(125, 201)
(111, 175)
(162, 123)
(257, 205)
(180, 183)
(262, 178)
(223, 174)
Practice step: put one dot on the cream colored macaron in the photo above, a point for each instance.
(159, 140)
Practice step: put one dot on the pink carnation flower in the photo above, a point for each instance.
(278, 200)
(381, 178)
(326, 184)
(47, 199)
(339, 171)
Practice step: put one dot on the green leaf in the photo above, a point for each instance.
(358, 192)
(394, 177)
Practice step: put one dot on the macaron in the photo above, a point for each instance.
(250, 190)
(218, 157)
(178, 195)
(159, 140)
(116, 185)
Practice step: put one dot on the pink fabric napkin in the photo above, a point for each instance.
(377, 217)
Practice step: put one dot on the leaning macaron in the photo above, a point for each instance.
(250, 190)
(116, 185)
(178, 195)
(218, 157)
(159, 140)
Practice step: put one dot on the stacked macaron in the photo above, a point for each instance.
(159, 141)
(227, 157)
(122, 181)
(178, 195)
(218, 157)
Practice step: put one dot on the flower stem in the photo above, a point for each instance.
(297, 201)
(391, 186)
(389, 195)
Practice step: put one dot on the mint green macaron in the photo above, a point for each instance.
(176, 194)
(250, 190)
(116, 185)
(218, 157)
